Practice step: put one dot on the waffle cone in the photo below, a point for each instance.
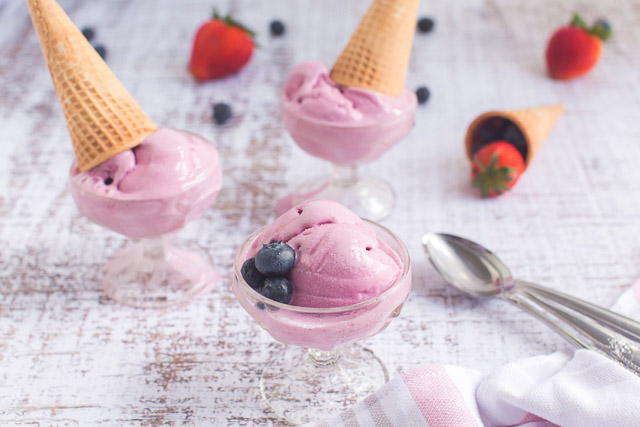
(102, 117)
(535, 124)
(377, 56)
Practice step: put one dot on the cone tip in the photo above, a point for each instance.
(377, 54)
(106, 120)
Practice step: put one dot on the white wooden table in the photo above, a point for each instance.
(69, 355)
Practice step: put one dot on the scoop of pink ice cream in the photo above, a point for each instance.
(152, 189)
(339, 259)
(345, 125)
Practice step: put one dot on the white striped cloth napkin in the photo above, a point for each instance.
(580, 389)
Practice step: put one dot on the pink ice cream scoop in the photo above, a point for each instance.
(152, 189)
(339, 260)
(350, 278)
(344, 125)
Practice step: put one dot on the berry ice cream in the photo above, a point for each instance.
(152, 189)
(348, 280)
(339, 260)
(345, 125)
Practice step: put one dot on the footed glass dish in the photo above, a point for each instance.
(349, 127)
(323, 369)
(154, 271)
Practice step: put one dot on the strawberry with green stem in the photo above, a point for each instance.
(575, 49)
(221, 47)
(496, 168)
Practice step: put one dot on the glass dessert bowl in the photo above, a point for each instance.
(349, 127)
(149, 193)
(323, 369)
(129, 176)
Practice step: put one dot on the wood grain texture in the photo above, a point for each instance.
(69, 355)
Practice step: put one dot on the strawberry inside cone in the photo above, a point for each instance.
(497, 128)
(496, 168)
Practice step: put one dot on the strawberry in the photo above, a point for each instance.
(495, 168)
(573, 50)
(221, 47)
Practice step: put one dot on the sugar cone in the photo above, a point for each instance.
(102, 117)
(377, 56)
(534, 123)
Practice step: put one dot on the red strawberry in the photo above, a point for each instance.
(574, 50)
(221, 47)
(496, 168)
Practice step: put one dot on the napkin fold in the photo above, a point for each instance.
(579, 389)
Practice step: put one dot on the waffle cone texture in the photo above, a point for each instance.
(377, 56)
(102, 117)
(534, 123)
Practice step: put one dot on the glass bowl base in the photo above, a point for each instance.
(367, 196)
(159, 274)
(306, 385)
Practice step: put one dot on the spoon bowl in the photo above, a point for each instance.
(466, 265)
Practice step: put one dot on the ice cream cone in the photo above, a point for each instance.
(102, 117)
(532, 126)
(377, 56)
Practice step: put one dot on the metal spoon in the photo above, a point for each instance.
(475, 270)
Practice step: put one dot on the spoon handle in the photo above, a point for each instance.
(523, 301)
(619, 323)
(600, 337)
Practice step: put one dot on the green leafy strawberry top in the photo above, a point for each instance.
(600, 28)
(492, 178)
(227, 19)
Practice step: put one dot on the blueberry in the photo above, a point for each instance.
(251, 275)
(262, 306)
(425, 25)
(277, 28)
(88, 33)
(423, 94)
(221, 113)
(102, 51)
(603, 23)
(275, 259)
(512, 133)
(278, 289)
(601, 29)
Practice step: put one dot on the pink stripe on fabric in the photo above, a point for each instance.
(531, 418)
(438, 398)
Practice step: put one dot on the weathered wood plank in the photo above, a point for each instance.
(69, 355)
